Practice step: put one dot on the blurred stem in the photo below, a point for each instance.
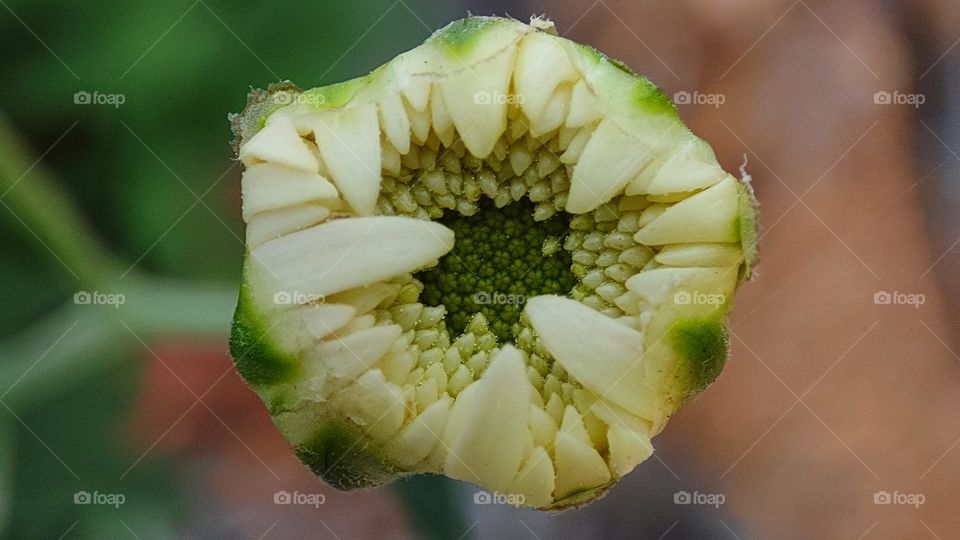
(31, 194)
(77, 341)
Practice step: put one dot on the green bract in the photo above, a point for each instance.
(500, 257)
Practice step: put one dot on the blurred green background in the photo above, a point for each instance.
(159, 194)
(140, 202)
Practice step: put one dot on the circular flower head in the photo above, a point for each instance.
(499, 257)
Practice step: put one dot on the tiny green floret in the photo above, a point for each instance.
(496, 263)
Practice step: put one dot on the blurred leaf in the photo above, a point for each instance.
(7, 461)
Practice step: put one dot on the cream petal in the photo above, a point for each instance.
(536, 479)
(709, 216)
(542, 65)
(608, 162)
(267, 186)
(273, 224)
(604, 355)
(364, 299)
(343, 254)
(442, 121)
(278, 142)
(497, 403)
(417, 91)
(700, 255)
(579, 466)
(553, 114)
(394, 121)
(304, 326)
(627, 449)
(375, 405)
(419, 437)
(348, 357)
(584, 107)
(349, 142)
(476, 98)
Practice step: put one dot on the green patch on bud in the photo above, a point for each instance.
(337, 94)
(496, 264)
(460, 36)
(339, 453)
(702, 347)
(256, 356)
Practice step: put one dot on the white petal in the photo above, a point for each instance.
(349, 142)
(542, 427)
(627, 449)
(602, 354)
(373, 404)
(575, 149)
(536, 479)
(608, 162)
(584, 107)
(708, 216)
(273, 224)
(417, 91)
(553, 114)
(476, 98)
(278, 142)
(497, 404)
(679, 175)
(396, 125)
(304, 326)
(389, 158)
(366, 298)
(542, 65)
(267, 186)
(348, 357)
(422, 434)
(700, 255)
(419, 125)
(579, 466)
(442, 121)
(691, 167)
(347, 253)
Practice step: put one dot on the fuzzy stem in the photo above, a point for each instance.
(30, 193)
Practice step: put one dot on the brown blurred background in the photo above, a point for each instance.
(836, 416)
